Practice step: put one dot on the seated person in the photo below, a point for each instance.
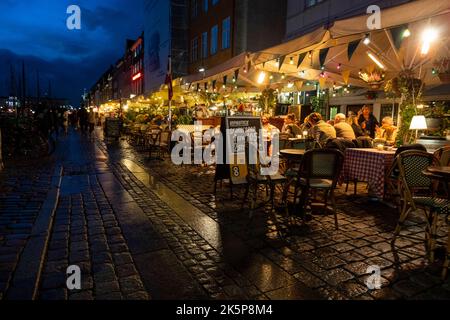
(387, 131)
(343, 129)
(305, 126)
(268, 129)
(290, 126)
(321, 130)
(352, 120)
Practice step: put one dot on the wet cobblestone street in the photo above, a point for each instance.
(141, 229)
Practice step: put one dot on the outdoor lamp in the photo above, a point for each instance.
(418, 123)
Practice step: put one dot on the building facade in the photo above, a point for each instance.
(137, 67)
(222, 29)
(304, 16)
(166, 33)
(124, 79)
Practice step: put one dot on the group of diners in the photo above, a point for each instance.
(342, 127)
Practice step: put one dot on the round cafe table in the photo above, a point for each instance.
(295, 153)
(441, 174)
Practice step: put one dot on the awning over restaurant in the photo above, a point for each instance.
(338, 56)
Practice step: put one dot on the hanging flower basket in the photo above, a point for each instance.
(375, 85)
(374, 79)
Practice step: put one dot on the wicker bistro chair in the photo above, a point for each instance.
(320, 171)
(363, 142)
(411, 165)
(392, 176)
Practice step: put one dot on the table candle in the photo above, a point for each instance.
(380, 147)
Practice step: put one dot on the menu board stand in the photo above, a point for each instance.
(235, 173)
(112, 128)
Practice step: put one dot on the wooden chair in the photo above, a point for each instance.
(320, 170)
(255, 180)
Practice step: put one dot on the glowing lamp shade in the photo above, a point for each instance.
(261, 77)
(418, 123)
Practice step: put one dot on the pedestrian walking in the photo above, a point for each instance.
(65, 121)
(91, 122)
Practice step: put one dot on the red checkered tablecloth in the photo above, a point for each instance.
(368, 165)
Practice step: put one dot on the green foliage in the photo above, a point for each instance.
(318, 104)
(268, 100)
(187, 120)
(409, 89)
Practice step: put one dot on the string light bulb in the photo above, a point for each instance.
(366, 40)
(406, 33)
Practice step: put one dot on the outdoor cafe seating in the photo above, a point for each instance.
(418, 192)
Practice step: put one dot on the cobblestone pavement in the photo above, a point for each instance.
(331, 264)
(142, 229)
(23, 189)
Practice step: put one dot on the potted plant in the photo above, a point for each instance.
(268, 101)
(442, 68)
(407, 87)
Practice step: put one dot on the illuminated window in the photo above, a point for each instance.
(214, 2)
(214, 39)
(194, 8)
(205, 45)
(194, 49)
(205, 5)
(226, 33)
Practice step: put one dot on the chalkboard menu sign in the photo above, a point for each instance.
(112, 128)
(236, 172)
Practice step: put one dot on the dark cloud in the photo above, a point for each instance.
(68, 78)
(35, 32)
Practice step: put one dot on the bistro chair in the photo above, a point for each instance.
(340, 144)
(256, 180)
(153, 137)
(392, 176)
(411, 165)
(363, 142)
(319, 171)
(162, 145)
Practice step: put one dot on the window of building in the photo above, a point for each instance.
(205, 5)
(194, 49)
(214, 2)
(214, 39)
(205, 45)
(194, 8)
(311, 3)
(226, 33)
